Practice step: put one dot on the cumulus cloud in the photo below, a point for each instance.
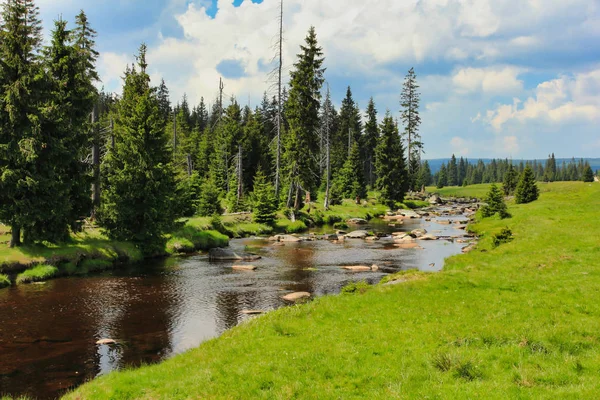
(564, 99)
(358, 37)
(491, 80)
(111, 68)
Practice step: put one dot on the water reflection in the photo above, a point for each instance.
(48, 332)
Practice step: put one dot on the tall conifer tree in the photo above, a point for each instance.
(302, 109)
(370, 142)
(390, 165)
(20, 41)
(137, 203)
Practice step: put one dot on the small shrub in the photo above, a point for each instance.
(331, 219)
(505, 236)
(495, 204)
(4, 281)
(356, 287)
(527, 190)
(296, 227)
(317, 218)
(37, 274)
(340, 225)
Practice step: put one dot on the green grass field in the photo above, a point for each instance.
(516, 321)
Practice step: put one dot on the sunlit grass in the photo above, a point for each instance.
(516, 321)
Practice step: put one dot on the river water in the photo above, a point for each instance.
(48, 332)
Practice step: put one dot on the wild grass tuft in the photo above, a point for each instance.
(37, 274)
(296, 227)
(4, 281)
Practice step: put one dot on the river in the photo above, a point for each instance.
(48, 331)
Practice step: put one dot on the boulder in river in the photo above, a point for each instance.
(220, 254)
(106, 341)
(244, 267)
(296, 296)
(372, 238)
(469, 248)
(358, 268)
(407, 245)
(409, 214)
(428, 237)
(357, 235)
(435, 199)
(357, 221)
(419, 232)
(252, 312)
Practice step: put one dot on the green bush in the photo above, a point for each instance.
(356, 287)
(527, 190)
(37, 274)
(504, 236)
(318, 218)
(296, 227)
(331, 219)
(4, 281)
(495, 204)
(340, 225)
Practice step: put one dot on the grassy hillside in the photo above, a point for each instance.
(516, 321)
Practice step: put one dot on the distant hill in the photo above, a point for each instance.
(436, 164)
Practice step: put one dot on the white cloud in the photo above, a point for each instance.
(491, 80)
(358, 37)
(510, 145)
(460, 146)
(564, 99)
(111, 68)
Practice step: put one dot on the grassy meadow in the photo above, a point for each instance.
(515, 321)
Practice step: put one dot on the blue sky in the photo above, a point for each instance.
(499, 78)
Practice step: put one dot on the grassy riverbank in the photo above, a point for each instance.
(516, 321)
(89, 252)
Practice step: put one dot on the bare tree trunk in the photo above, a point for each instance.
(189, 165)
(239, 175)
(328, 158)
(278, 159)
(15, 239)
(297, 199)
(174, 133)
(95, 166)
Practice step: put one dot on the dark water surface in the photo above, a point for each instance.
(48, 332)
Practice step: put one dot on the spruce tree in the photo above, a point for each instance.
(390, 165)
(208, 200)
(350, 180)
(302, 112)
(588, 174)
(424, 176)
(264, 203)
(442, 179)
(410, 99)
(138, 202)
(452, 172)
(370, 142)
(527, 190)
(20, 144)
(495, 203)
(510, 181)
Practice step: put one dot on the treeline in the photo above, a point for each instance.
(462, 172)
(149, 162)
